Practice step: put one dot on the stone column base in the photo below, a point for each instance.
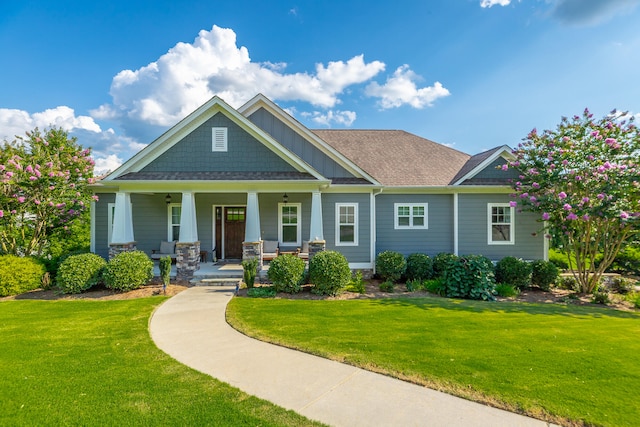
(253, 250)
(187, 260)
(116, 248)
(316, 246)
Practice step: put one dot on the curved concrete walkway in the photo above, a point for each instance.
(191, 328)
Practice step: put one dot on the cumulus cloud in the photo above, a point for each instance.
(106, 164)
(401, 89)
(164, 91)
(16, 122)
(489, 3)
(590, 12)
(342, 118)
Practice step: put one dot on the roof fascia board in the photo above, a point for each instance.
(278, 186)
(450, 189)
(504, 151)
(260, 100)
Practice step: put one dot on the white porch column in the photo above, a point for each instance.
(122, 220)
(316, 232)
(252, 224)
(188, 223)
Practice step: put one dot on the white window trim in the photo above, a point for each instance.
(219, 139)
(512, 224)
(169, 223)
(111, 207)
(298, 241)
(355, 224)
(397, 226)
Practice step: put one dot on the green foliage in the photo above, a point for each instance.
(286, 272)
(19, 274)
(78, 273)
(390, 265)
(621, 285)
(627, 261)
(559, 259)
(128, 270)
(507, 291)
(413, 285)
(419, 266)
(356, 284)
(581, 179)
(249, 271)
(386, 286)
(543, 274)
(435, 286)
(568, 283)
(634, 298)
(440, 263)
(513, 271)
(262, 292)
(165, 270)
(600, 297)
(329, 272)
(470, 276)
(45, 190)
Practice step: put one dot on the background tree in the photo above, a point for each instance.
(582, 178)
(45, 179)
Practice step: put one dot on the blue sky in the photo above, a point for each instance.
(472, 74)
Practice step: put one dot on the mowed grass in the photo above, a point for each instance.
(569, 364)
(92, 363)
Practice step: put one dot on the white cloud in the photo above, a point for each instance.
(106, 164)
(16, 122)
(342, 118)
(163, 92)
(590, 12)
(401, 89)
(489, 3)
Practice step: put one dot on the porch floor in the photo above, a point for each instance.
(209, 270)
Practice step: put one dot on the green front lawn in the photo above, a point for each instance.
(550, 361)
(93, 363)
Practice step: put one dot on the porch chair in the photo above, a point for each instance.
(303, 252)
(270, 249)
(166, 249)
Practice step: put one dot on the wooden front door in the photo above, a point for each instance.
(234, 223)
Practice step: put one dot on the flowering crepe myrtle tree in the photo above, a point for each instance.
(582, 178)
(45, 178)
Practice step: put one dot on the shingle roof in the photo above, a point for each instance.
(396, 157)
(215, 176)
(474, 161)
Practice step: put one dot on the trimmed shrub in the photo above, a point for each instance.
(568, 283)
(261, 292)
(600, 297)
(622, 285)
(634, 299)
(249, 271)
(286, 272)
(390, 265)
(470, 276)
(440, 262)
(419, 266)
(19, 274)
(356, 284)
(513, 271)
(165, 271)
(329, 272)
(559, 259)
(544, 274)
(435, 286)
(386, 286)
(128, 270)
(413, 285)
(78, 273)
(626, 261)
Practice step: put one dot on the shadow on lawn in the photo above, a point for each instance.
(507, 307)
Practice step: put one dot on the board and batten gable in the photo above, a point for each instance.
(194, 152)
(294, 142)
(473, 230)
(354, 254)
(436, 238)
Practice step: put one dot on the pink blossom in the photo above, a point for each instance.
(524, 195)
(572, 216)
(610, 141)
(546, 216)
(532, 199)
(590, 157)
(562, 195)
(505, 167)
(21, 199)
(94, 197)
(624, 215)
(578, 178)
(513, 204)
(52, 187)
(33, 178)
(1, 213)
(607, 165)
(36, 201)
(29, 169)
(2, 168)
(535, 185)
(600, 196)
(49, 164)
(565, 162)
(566, 207)
(9, 174)
(595, 133)
(585, 217)
(585, 200)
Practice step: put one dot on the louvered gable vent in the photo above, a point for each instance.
(219, 139)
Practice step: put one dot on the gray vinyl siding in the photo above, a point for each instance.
(298, 145)
(493, 173)
(355, 254)
(101, 217)
(473, 230)
(194, 152)
(268, 203)
(437, 238)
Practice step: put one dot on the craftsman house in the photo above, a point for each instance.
(229, 183)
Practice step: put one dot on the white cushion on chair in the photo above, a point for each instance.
(305, 247)
(168, 247)
(269, 246)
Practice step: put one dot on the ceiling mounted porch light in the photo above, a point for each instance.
(285, 198)
(168, 198)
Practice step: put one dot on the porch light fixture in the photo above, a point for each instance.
(168, 198)
(285, 198)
